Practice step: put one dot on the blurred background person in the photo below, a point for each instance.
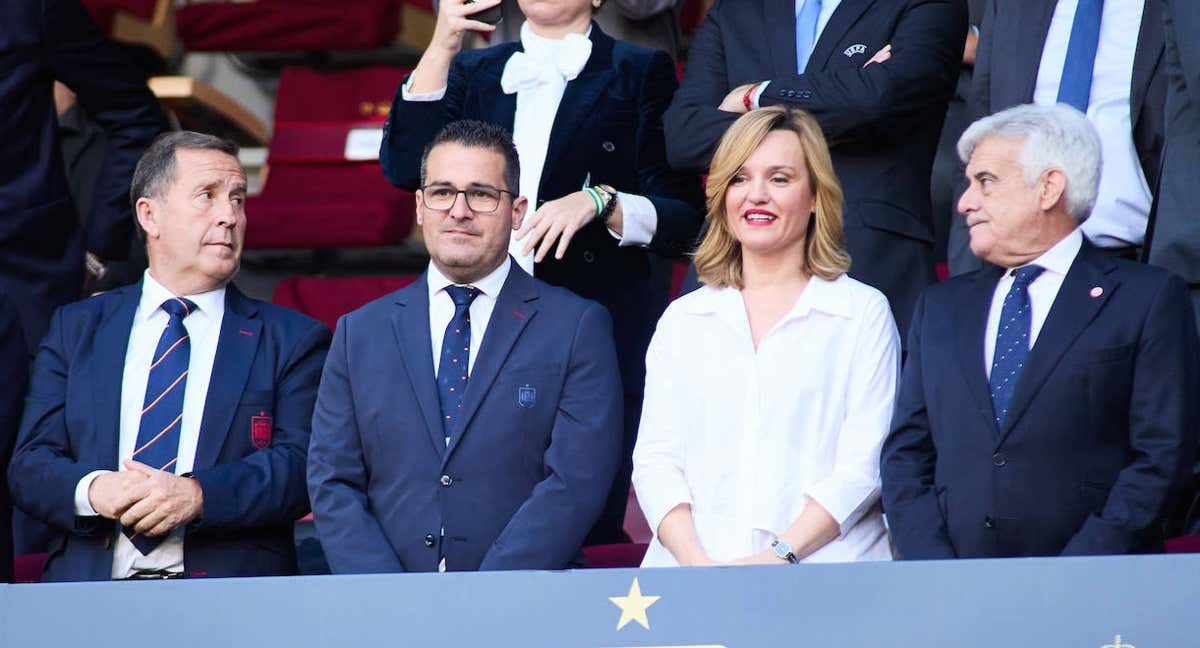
(14, 368)
(586, 116)
(769, 390)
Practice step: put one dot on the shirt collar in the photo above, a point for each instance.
(210, 304)
(1061, 255)
(548, 47)
(489, 285)
(819, 295)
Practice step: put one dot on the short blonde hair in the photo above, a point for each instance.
(719, 257)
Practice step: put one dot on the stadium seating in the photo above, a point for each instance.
(615, 555)
(28, 568)
(287, 25)
(328, 298)
(324, 187)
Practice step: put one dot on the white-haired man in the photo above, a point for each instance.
(1046, 406)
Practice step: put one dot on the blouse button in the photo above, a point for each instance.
(608, 147)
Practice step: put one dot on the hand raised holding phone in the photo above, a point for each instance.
(454, 19)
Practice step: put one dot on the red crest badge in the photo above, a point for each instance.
(260, 430)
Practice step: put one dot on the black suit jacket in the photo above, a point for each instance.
(608, 125)
(882, 121)
(14, 366)
(41, 242)
(1099, 432)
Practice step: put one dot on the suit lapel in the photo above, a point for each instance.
(237, 346)
(1033, 25)
(410, 323)
(107, 371)
(515, 307)
(500, 107)
(779, 28)
(579, 99)
(843, 18)
(1146, 58)
(1073, 310)
(971, 333)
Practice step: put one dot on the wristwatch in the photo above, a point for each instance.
(784, 551)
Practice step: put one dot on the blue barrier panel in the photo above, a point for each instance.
(1149, 601)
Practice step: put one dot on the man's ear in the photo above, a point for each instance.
(147, 216)
(520, 204)
(420, 206)
(1053, 190)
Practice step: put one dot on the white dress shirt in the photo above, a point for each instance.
(747, 437)
(537, 107)
(1057, 261)
(441, 309)
(827, 10)
(149, 320)
(1123, 203)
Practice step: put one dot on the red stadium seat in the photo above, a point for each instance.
(321, 190)
(1186, 544)
(28, 568)
(328, 298)
(287, 25)
(614, 555)
(104, 11)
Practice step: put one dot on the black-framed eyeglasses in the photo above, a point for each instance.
(481, 199)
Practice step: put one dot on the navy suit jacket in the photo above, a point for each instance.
(882, 122)
(1098, 434)
(41, 242)
(14, 365)
(531, 456)
(268, 364)
(608, 126)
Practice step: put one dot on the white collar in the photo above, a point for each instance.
(819, 295)
(489, 285)
(211, 303)
(549, 48)
(1061, 255)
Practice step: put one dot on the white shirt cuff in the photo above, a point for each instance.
(845, 499)
(436, 95)
(758, 93)
(639, 220)
(83, 506)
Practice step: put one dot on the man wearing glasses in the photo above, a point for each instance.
(471, 421)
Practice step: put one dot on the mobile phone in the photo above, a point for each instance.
(490, 16)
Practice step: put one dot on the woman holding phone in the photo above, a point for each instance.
(586, 116)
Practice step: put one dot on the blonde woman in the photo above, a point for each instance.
(769, 390)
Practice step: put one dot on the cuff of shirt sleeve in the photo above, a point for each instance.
(83, 505)
(659, 498)
(762, 87)
(639, 220)
(845, 502)
(436, 95)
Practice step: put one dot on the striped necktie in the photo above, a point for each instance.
(162, 411)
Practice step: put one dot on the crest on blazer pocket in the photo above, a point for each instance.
(858, 48)
(526, 396)
(260, 430)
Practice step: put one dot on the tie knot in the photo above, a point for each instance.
(1025, 276)
(462, 295)
(178, 307)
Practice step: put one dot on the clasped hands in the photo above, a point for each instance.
(734, 102)
(149, 501)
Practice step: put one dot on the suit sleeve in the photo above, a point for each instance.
(266, 487)
(885, 100)
(350, 533)
(581, 462)
(43, 473)
(693, 124)
(114, 94)
(1162, 429)
(907, 464)
(676, 195)
(412, 125)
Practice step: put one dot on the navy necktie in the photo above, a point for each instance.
(162, 410)
(806, 32)
(1012, 341)
(1075, 88)
(456, 353)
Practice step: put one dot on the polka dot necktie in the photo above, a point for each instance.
(1012, 341)
(456, 353)
(162, 410)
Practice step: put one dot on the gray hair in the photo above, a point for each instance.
(156, 169)
(1055, 137)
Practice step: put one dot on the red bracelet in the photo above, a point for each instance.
(746, 97)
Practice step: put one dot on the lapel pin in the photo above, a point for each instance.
(1096, 292)
(245, 332)
(519, 314)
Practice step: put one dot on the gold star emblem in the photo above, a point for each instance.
(633, 606)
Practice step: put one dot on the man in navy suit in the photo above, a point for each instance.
(42, 246)
(14, 365)
(471, 421)
(876, 74)
(166, 423)
(1047, 405)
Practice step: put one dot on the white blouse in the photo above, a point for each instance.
(747, 437)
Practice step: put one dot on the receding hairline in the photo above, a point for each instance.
(430, 179)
